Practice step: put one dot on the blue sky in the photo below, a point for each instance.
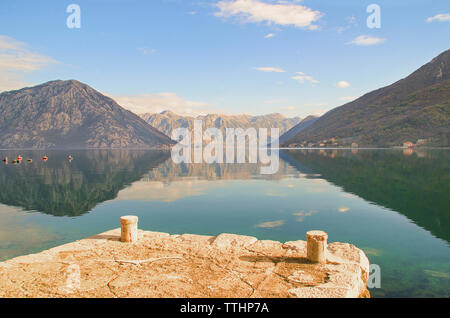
(221, 56)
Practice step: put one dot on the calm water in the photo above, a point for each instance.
(395, 205)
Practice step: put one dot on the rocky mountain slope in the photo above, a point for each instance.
(416, 107)
(294, 131)
(168, 121)
(70, 114)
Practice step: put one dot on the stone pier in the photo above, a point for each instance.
(164, 265)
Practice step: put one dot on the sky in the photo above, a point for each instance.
(297, 58)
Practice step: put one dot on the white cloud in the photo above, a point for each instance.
(351, 22)
(16, 60)
(15, 56)
(268, 36)
(347, 98)
(302, 78)
(366, 40)
(439, 17)
(156, 103)
(289, 108)
(255, 11)
(343, 84)
(9, 81)
(270, 69)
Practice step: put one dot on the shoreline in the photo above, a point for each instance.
(279, 148)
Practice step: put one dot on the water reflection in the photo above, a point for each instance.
(62, 187)
(169, 171)
(415, 184)
(349, 194)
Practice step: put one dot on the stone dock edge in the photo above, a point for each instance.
(160, 265)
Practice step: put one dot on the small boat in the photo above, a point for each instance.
(19, 158)
(5, 160)
(30, 160)
(70, 158)
(45, 158)
(14, 162)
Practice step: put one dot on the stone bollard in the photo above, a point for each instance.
(129, 228)
(316, 245)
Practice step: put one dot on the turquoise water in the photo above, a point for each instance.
(393, 204)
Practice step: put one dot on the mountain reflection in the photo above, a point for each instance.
(169, 171)
(413, 183)
(62, 188)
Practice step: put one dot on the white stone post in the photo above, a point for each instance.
(129, 228)
(317, 246)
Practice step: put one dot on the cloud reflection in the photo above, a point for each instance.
(270, 225)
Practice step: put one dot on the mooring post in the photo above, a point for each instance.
(129, 228)
(316, 245)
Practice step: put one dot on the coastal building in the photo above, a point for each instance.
(408, 144)
(421, 141)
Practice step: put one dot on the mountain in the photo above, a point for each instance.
(294, 131)
(416, 107)
(70, 114)
(168, 121)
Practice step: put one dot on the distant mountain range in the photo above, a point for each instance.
(294, 131)
(167, 121)
(416, 108)
(70, 114)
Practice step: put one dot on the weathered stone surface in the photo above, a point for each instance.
(232, 240)
(164, 265)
